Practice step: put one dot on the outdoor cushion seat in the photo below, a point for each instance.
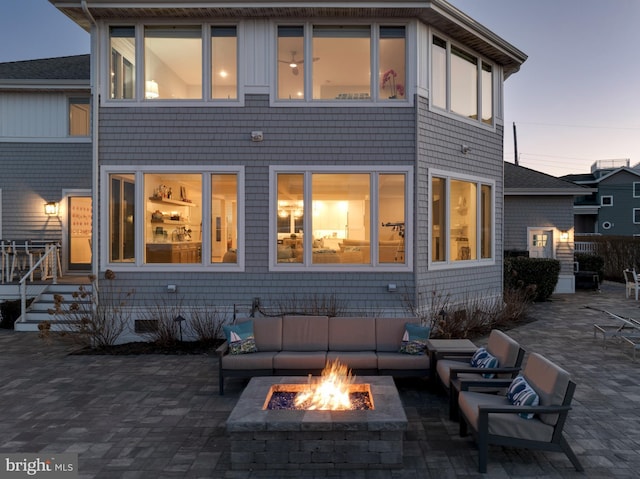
(400, 361)
(510, 425)
(355, 360)
(300, 360)
(259, 360)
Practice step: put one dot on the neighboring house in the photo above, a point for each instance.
(613, 207)
(538, 218)
(46, 155)
(246, 150)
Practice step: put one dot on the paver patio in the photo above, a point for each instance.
(157, 416)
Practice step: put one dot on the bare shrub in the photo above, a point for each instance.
(430, 311)
(166, 331)
(95, 317)
(206, 322)
(307, 305)
(474, 316)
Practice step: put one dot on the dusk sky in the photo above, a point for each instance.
(574, 101)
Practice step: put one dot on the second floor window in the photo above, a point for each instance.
(173, 62)
(172, 67)
(461, 83)
(334, 62)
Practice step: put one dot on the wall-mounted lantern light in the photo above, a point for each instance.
(51, 208)
(564, 236)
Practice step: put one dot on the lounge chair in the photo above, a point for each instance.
(627, 329)
(450, 370)
(493, 419)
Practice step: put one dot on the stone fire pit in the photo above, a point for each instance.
(263, 439)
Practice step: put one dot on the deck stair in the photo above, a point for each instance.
(38, 310)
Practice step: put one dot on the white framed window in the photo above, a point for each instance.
(333, 63)
(606, 200)
(340, 218)
(462, 83)
(186, 218)
(636, 216)
(462, 219)
(636, 189)
(190, 63)
(80, 116)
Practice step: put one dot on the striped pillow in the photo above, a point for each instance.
(484, 359)
(521, 394)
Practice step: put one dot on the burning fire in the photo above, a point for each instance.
(331, 393)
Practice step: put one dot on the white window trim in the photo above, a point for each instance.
(139, 100)
(602, 203)
(374, 266)
(448, 263)
(633, 218)
(636, 189)
(410, 67)
(139, 265)
(480, 59)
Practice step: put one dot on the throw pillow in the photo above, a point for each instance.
(414, 340)
(520, 393)
(240, 338)
(484, 359)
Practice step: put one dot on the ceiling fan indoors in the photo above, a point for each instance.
(293, 63)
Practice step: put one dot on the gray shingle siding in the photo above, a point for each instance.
(309, 136)
(439, 146)
(292, 136)
(33, 173)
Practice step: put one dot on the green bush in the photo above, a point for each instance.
(525, 272)
(591, 262)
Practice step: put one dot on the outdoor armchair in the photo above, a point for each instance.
(494, 419)
(451, 369)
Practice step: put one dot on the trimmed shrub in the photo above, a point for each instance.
(591, 262)
(525, 272)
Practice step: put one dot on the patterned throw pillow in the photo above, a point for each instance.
(414, 340)
(240, 338)
(484, 359)
(520, 393)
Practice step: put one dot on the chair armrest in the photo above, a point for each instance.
(453, 372)
(222, 349)
(466, 384)
(522, 409)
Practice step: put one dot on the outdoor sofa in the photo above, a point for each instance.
(302, 345)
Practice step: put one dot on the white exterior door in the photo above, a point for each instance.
(540, 243)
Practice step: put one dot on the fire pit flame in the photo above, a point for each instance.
(331, 393)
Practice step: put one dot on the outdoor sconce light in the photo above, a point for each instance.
(51, 208)
(564, 236)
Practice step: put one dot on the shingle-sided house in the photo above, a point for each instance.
(613, 207)
(290, 149)
(538, 218)
(46, 155)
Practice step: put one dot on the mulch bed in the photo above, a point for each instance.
(141, 347)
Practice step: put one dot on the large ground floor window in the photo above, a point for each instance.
(462, 219)
(344, 218)
(165, 216)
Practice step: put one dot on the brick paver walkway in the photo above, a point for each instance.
(158, 416)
